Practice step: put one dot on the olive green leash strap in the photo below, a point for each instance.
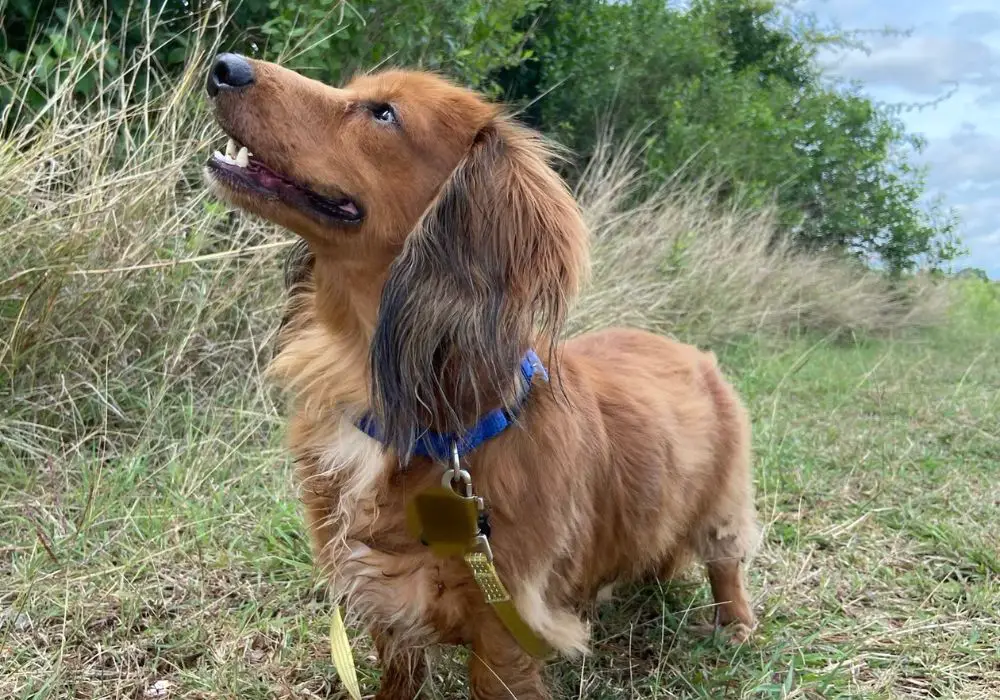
(448, 522)
(451, 520)
(485, 574)
(497, 596)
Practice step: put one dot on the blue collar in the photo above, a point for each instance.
(438, 445)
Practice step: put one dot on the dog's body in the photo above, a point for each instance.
(633, 458)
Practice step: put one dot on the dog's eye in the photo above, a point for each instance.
(383, 113)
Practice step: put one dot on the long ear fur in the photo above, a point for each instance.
(490, 269)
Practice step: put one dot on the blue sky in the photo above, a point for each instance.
(953, 48)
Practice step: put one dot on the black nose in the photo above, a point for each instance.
(229, 72)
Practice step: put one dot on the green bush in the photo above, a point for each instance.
(730, 88)
(468, 39)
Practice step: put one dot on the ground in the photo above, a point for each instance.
(182, 570)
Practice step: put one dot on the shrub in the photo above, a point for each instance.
(729, 90)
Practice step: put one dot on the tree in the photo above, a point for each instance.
(729, 89)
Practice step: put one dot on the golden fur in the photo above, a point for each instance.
(633, 459)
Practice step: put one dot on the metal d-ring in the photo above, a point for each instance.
(456, 475)
(450, 480)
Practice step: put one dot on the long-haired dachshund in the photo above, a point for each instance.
(439, 255)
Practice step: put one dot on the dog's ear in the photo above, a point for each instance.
(491, 267)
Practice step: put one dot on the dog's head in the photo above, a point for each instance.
(482, 243)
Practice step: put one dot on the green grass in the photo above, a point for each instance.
(184, 560)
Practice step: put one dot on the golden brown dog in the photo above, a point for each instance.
(438, 246)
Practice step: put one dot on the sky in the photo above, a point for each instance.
(952, 51)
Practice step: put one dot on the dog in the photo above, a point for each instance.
(438, 255)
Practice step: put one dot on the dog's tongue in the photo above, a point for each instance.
(269, 179)
(274, 181)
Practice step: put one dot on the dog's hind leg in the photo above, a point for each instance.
(726, 541)
(727, 535)
(499, 669)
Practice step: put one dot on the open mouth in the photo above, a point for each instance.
(238, 169)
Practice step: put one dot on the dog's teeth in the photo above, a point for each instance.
(231, 148)
(243, 157)
(224, 158)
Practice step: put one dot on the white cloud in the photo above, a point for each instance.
(953, 46)
(924, 65)
(975, 24)
(965, 167)
(967, 157)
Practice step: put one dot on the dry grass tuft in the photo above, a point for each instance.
(123, 284)
(673, 261)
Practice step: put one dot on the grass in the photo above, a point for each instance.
(876, 477)
(672, 261)
(151, 544)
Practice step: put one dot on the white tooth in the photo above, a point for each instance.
(224, 158)
(242, 159)
(231, 148)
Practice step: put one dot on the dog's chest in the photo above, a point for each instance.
(356, 515)
(351, 475)
(349, 490)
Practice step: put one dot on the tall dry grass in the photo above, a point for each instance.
(672, 260)
(134, 310)
(127, 296)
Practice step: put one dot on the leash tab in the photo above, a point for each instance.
(452, 521)
(446, 518)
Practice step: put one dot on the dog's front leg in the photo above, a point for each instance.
(403, 668)
(499, 669)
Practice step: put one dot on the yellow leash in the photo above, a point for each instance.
(447, 521)
(485, 575)
(343, 658)
(497, 596)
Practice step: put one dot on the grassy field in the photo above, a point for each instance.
(877, 464)
(151, 544)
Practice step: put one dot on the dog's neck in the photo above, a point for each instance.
(347, 297)
(323, 361)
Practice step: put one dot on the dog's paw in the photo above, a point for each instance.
(733, 630)
(736, 632)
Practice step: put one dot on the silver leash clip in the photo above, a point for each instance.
(455, 477)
